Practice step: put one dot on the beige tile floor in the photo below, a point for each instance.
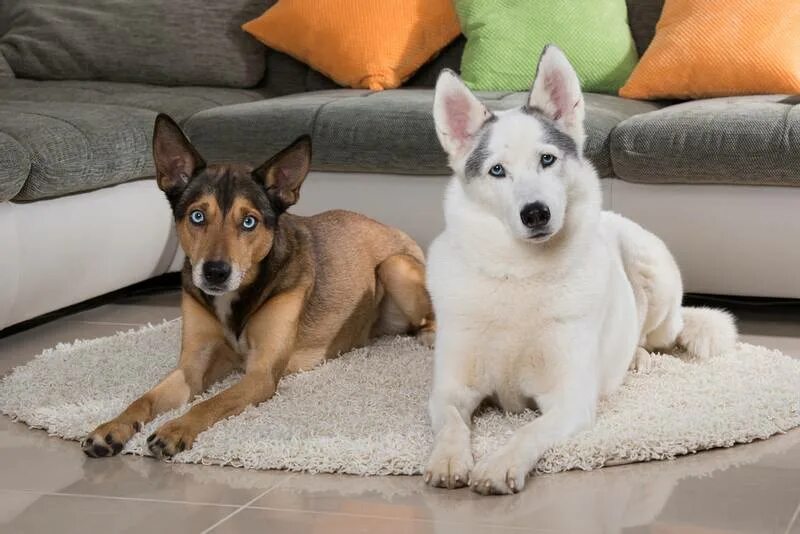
(48, 485)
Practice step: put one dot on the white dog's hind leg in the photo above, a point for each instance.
(564, 413)
(451, 460)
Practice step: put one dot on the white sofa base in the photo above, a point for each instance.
(728, 240)
(55, 253)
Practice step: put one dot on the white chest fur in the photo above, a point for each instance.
(525, 334)
(222, 307)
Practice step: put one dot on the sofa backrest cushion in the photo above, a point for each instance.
(642, 18)
(175, 42)
(359, 44)
(286, 75)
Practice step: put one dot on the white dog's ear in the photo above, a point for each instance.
(556, 92)
(457, 114)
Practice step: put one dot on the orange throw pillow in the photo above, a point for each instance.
(706, 49)
(369, 44)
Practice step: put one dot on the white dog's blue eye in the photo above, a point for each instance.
(547, 160)
(498, 171)
(197, 217)
(249, 222)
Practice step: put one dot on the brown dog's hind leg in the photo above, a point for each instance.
(205, 358)
(403, 278)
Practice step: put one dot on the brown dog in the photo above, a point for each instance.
(264, 290)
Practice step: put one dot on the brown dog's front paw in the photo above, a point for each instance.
(426, 335)
(172, 438)
(109, 438)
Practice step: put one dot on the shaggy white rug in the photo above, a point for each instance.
(365, 412)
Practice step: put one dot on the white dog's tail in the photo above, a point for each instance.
(707, 332)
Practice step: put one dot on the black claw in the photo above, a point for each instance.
(100, 450)
(151, 438)
(137, 426)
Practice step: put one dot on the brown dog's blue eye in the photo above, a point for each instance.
(498, 171)
(547, 160)
(249, 222)
(197, 217)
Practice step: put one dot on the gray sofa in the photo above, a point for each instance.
(80, 214)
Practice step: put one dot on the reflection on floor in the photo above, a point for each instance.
(48, 485)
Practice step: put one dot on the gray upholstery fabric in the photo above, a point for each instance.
(603, 113)
(255, 131)
(179, 102)
(285, 75)
(449, 57)
(5, 69)
(63, 137)
(359, 131)
(78, 147)
(734, 140)
(179, 42)
(643, 16)
(15, 164)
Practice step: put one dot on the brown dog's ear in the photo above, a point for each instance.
(175, 158)
(283, 173)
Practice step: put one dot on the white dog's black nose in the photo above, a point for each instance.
(535, 215)
(216, 272)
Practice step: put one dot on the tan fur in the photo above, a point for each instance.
(220, 238)
(307, 288)
(343, 270)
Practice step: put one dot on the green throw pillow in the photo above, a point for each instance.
(506, 37)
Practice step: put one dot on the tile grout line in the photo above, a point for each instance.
(103, 323)
(239, 508)
(117, 498)
(248, 503)
(793, 520)
(395, 518)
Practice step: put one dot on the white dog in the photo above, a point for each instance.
(541, 298)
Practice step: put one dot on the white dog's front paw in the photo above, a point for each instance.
(449, 466)
(500, 473)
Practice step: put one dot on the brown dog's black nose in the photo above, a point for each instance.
(216, 272)
(535, 215)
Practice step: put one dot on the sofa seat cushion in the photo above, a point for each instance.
(179, 102)
(61, 137)
(78, 147)
(15, 165)
(175, 42)
(734, 140)
(359, 131)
